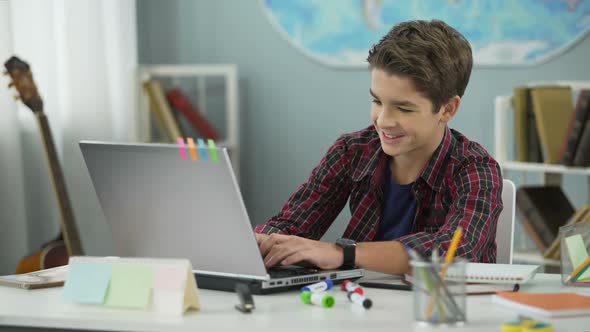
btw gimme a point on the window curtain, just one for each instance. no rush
(83, 55)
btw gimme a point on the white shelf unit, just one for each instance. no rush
(551, 174)
(201, 72)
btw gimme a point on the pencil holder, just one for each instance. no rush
(575, 264)
(439, 291)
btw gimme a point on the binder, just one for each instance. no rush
(553, 108)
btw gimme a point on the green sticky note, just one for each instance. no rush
(212, 149)
(87, 282)
(131, 286)
(578, 253)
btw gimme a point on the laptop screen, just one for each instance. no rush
(161, 203)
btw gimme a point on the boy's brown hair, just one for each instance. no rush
(434, 55)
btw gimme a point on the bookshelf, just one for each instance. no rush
(550, 174)
(199, 72)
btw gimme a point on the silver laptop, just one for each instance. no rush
(161, 202)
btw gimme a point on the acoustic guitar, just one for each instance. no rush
(56, 252)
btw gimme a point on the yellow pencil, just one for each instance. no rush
(580, 270)
(454, 244)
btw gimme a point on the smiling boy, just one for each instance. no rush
(410, 180)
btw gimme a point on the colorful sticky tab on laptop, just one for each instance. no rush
(202, 148)
(191, 147)
(159, 285)
(181, 148)
(212, 149)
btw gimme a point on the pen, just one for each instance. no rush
(369, 284)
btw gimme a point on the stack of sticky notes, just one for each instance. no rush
(579, 258)
(159, 285)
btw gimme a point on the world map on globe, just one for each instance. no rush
(501, 32)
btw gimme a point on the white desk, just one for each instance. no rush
(392, 310)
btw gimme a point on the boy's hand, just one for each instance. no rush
(278, 249)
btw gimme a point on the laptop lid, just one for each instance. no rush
(159, 204)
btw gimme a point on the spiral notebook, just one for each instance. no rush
(53, 277)
(495, 273)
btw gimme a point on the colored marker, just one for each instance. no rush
(349, 286)
(357, 298)
(319, 286)
(325, 300)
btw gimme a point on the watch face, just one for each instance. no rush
(346, 242)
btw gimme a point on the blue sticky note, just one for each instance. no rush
(202, 148)
(87, 282)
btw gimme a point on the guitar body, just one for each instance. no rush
(51, 255)
(58, 251)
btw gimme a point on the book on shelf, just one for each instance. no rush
(528, 145)
(182, 103)
(553, 108)
(576, 127)
(543, 209)
(161, 109)
(582, 155)
(53, 277)
(521, 106)
(581, 215)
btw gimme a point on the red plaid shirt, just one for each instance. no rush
(460, 186)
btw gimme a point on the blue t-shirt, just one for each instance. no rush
(399, 208)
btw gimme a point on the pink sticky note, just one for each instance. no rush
(170, 278)
(181, 148)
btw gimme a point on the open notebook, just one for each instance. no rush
(495, 273)
(481, 278)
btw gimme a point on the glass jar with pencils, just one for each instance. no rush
(439, 291)
(575, 263)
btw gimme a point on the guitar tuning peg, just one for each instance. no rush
(17, 98)
(10, 85)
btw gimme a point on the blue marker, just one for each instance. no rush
(318, 286)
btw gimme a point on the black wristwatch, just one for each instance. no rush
(349, 249)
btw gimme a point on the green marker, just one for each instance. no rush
(325, 300)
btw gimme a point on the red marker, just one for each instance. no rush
(349, 286)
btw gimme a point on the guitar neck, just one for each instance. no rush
(68, 224)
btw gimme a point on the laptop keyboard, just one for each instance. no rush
(290, 271)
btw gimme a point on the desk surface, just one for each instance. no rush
(44, 308)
